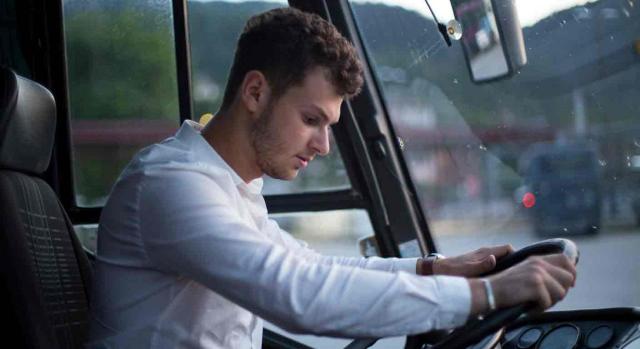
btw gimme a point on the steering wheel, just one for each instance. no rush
(477, 329)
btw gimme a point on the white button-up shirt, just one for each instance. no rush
(188, 258)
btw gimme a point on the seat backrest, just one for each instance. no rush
(45, 272)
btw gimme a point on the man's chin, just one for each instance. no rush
(291, 176)
(288, 176)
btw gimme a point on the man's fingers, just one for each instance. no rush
(501, 250)
(563, 276)
(482, 266)
(562, 261)
(542, 296)
(549, 291)
(506, 250)
(553, 280)
(544, 280)
(557, 266)
(489, 262)
(555, 290)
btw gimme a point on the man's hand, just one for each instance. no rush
(543, 280)
(471, 264)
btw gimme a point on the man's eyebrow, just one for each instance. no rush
(321, 112)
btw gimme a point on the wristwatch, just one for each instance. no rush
(428, 261)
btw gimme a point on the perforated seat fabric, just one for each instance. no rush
(47, 289)
(45, 273)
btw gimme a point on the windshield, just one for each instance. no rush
(568, 164)
(551, 151)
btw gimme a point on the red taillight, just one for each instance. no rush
(528, 200)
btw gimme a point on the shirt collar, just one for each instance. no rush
(189, 133)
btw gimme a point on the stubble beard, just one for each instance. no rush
(267, 146)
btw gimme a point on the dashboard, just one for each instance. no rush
(591, 329)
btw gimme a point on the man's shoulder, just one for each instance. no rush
(171, 163)
(171, 156)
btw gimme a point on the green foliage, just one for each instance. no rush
(121, 65)
(99, 167)
(214, 29)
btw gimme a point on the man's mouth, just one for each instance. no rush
(304, 161)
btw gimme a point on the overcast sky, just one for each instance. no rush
(529, 11)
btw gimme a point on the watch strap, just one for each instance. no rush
(428, 262)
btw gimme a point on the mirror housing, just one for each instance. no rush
(492, 38)
(368, 246)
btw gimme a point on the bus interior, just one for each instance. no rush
(434, 155)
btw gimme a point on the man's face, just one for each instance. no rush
(295, 128)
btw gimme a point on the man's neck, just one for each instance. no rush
(231, 139)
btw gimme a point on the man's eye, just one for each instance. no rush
(309, 120)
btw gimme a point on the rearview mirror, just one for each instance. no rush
(492, 38)
(368, 246)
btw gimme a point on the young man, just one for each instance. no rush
(187, 256)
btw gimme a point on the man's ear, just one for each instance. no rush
(254, 91)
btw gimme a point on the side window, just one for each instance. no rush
(329, 232)
(122, 86)
(214, 28)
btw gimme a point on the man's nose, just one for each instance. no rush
(320, 142)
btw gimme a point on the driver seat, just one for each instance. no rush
(45, 273)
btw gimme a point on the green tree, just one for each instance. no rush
(121, 65)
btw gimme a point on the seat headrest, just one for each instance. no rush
(27, 123)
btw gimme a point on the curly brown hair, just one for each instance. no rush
(285, 44)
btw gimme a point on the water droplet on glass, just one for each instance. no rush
(636, 142)
(482, 147)
(401, 143)
(454, 29)
(594, 227)
(565, 229)
(455, 81)
(602, 163)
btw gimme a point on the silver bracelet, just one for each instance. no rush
(490, 298)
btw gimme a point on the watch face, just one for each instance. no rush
(436, 256)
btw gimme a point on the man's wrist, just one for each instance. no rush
(426, 264)
(479, 303)
(491, 301)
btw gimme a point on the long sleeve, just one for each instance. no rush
(189, 227)
(373, 263)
